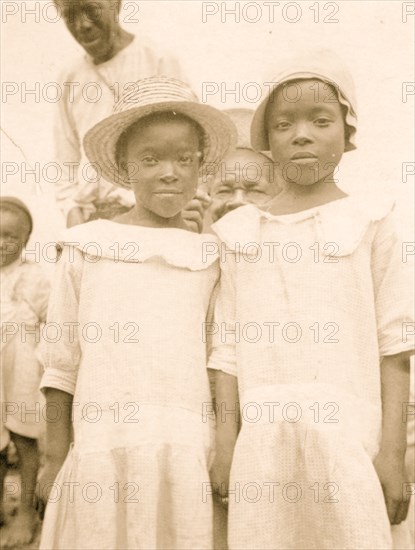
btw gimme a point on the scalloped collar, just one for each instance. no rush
(343, 221)
(137, 244)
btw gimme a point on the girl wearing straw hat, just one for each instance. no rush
(322, 375)
(136, 475)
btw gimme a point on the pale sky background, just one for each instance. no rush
(370, 36)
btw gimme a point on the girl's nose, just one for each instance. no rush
(303, 134)
(168, 173)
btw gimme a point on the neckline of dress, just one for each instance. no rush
(104, 229)
(302, 213)
(146, 227)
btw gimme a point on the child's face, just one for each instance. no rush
(162, 162)
(306, 135)
(243, 177)
(14, 233)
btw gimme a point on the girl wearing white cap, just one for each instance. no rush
(313, 299)
(136, 475)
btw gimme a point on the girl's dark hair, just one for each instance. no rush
(161, 116)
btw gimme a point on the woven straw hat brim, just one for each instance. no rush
(101, 140)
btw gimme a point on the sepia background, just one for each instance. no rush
(227, 51)
(375, 39)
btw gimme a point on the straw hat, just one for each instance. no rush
(154, 95)
(322, 65)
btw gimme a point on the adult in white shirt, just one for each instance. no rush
(114, 60)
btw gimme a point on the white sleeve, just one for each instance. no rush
(393, 287)
(61, 358)
(223, 355)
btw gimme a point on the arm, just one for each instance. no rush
(390, 461)
(61, 361)
(223, 360)
(227, 428)
(58, 431)
(392, 283)
(58, 439)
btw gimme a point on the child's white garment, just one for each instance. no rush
(24, 300)
(137, 474)
(315, 298)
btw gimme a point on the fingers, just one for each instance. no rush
(194, 207)
(194, 225)
(223, 494)
(397, 509)
(225, 502)
(203, 197)
(401, 512)
(193, 220)
(220, 492)
(391, 508)
(40, 506)
(194, 211)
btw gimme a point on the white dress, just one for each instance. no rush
(24, 297)
(136, 476)
(314, 299)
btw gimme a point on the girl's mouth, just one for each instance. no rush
(304, 155)
(168, 192)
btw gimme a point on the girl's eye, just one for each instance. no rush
(149, 161)
(255, 192)
(282, 125)
(322, 121)
(186, 160)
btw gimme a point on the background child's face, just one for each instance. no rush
(306, 131)
(243, 177)
(14, 233)
(162, 161)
